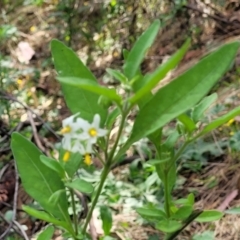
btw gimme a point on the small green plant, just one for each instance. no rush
(87, 132)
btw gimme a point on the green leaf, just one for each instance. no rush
(152, 213)
(81, 186)
(147, 83)
(106, 216)
(157, 161)
(56, 196)
(191, 199)
(46, 217)
(38, 180)
(233, 211)
(117, 75)
(209, 216)
(199, 110)
(169, 176)
(91, 87)
(137, 53)
(168, 226)
(206, 235)
(72, 165)
(187, 122)
(54, 165)
(67, 63)
(46, 234)
(182, 93)
(112, 117)
(171, 140)
(219, 121)
(182, 213)
(125, 54)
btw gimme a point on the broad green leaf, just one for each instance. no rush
(182, 213)
(182, 93)
(117, 75)
(38, 180)
(209, 216)
(220, 121)
(80, 185)
(106, 216)
(187, 122)
(147, 83)
(137, 53)
(199, 110)
(233, 211)
(67, 63)
(152, 213)
(46, 234)
(91, 86)
(168, 226)
(54, 165)
(47, 218)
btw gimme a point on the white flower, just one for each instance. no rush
(83, 147)
(92, 131)
(74, 146)
(79, 136)
(72, 127)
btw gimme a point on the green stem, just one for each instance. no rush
(178, 154)
(103, 178)
(106, 169)
(111, 155)
(186, 222)
(166, 195)
(74, 212)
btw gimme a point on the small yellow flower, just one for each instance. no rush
(66, 156)
(19, 81)
(33, 29)
(87, 159)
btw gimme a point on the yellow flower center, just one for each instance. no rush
(92, 132)
(66, 156)
(87, 159)
(65, 130)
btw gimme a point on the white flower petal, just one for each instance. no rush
(96, 121)
(101, 132)
(69, 120)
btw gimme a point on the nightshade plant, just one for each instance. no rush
(96, 108)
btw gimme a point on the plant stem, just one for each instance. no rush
(178, 154)
(74, 212)
(103, 178)
(111, 155)
(106, 169)
(166, 194)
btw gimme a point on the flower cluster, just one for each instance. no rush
(79, 136)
